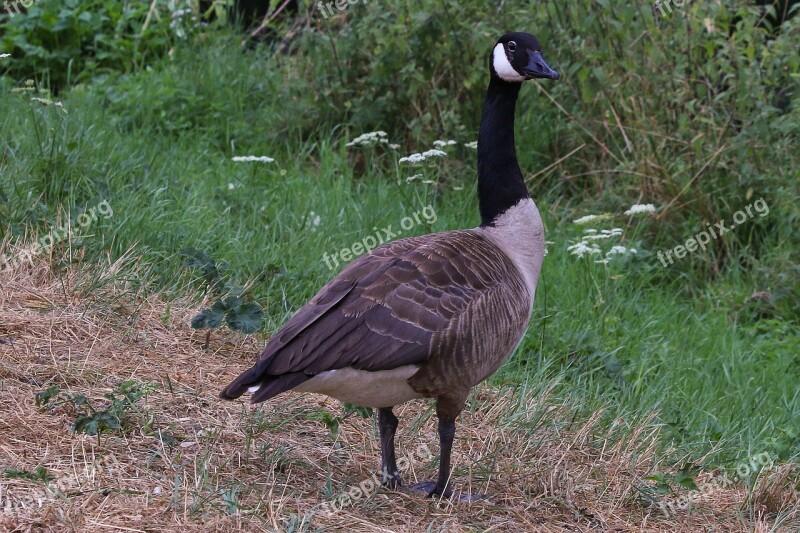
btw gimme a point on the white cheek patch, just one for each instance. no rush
(503, 67)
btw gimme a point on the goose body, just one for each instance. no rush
(428, 316)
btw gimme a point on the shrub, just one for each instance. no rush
(64, 42)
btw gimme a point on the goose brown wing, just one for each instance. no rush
(381, 312)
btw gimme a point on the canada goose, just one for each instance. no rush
(430, 316)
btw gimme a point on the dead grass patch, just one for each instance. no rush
(221, 466)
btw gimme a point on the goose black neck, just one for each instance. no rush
(500, 182)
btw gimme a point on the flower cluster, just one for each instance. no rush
(370, 139)
(314, 220)
(582, 248)
(420, 178)
(3, 56)
(640, 208)
(29, 87)
(590, 218)
(247, 158)
(178, 17)
(472, 144)
(47, 101)
(419, 158)
(589, 243)
(587, 246)
(181, 12)
(620, 250)
(442, 144)
(593, 235)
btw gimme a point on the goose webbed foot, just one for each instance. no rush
(429, 489)
(391, 481)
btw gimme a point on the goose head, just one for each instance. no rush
(518, 57)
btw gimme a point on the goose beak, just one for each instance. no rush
(538, 67)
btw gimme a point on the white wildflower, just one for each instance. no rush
(442, 144)
(584, 248)
(546, 243)
(640, 208)
(181, 12)
(605, 234)
(589, 218)
(472, 144)
(28, 87)
(231, 186)
(247, 158)
(458, 187)
(590, 230)
(620, 250)
(369, 139)
(617, 250)
(585, 219)
(602, 261)
(314, 219)
(419, 158)
(414, 177)
(394, 146)
(3, 56)
(428, 182)
(48, 102)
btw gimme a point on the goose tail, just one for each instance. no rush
(261, 385)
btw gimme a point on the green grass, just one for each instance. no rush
(157, 145)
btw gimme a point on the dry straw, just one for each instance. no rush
(271, 468)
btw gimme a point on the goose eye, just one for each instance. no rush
(512, 46)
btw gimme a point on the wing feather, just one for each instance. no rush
(387, 309)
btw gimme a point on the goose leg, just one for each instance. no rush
(387, 425)
(447, 410)
(447, 432)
